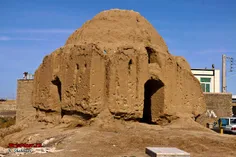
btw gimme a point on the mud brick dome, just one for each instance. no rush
(116, 62)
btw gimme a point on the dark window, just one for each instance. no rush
(151, 55)
(205, 79)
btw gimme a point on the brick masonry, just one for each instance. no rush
(24, 106)
(220, 103)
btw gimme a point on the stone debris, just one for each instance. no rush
(166, 152)
(3, 151)
(48, 141)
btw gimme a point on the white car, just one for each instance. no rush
(228, 124)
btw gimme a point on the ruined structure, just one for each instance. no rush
(24, 100)
(116, 61)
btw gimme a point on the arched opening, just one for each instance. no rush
(153, 100)
(57, 82)
(77, 66)
(152, 58)
(130, 64)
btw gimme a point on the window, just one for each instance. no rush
(224, 122)
(205, 79)
(205, 84)
(152, 58)
(233, 121)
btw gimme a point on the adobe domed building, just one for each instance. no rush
(116, 61)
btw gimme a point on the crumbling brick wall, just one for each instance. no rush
(220, 103)
(24, 106)
(116, 62)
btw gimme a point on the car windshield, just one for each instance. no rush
(233, 121)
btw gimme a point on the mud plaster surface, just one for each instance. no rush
(116, 61)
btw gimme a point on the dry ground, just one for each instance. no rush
(116, 138)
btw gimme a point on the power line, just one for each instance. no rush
(230, 68)
(232, 64)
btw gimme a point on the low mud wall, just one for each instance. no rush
(218, 104)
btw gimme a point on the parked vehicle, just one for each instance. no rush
(228, 124)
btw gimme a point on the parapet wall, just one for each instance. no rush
(24, 99)
(219, 103)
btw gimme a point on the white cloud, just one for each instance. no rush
(5, 38)
(55, 30)
(214, 51)
(203, 52)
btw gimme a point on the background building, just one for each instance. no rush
(234, 104)
(218, 104)
(209, 79)
(234, 99)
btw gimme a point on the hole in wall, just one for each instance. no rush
(152, 58)
(130, 64)
(153, 100)
(57, 83)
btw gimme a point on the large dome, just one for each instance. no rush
(115, 65)
(117, 27)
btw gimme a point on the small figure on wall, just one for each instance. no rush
(25, 75)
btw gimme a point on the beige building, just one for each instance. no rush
(209, 79)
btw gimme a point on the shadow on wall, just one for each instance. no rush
(153, 99)
(152, 58)
(57, 83)
(234, 110)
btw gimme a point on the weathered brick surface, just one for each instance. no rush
(24, 100)
(116, 61)
(220, 103)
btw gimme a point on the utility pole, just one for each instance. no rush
(224, 73)
(232, 63)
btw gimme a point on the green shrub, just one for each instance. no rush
(5, 122)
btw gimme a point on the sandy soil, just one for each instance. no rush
(118, 139)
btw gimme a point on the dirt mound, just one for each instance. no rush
(122, 138)
(117, 27)
(116, 61)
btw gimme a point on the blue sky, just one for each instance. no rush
(199, 30)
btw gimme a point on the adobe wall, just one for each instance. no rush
(8, 108)
(71, 84)
(24, 100)
(220, 103)
(117, 62)
(8, 105)
(128, 72)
